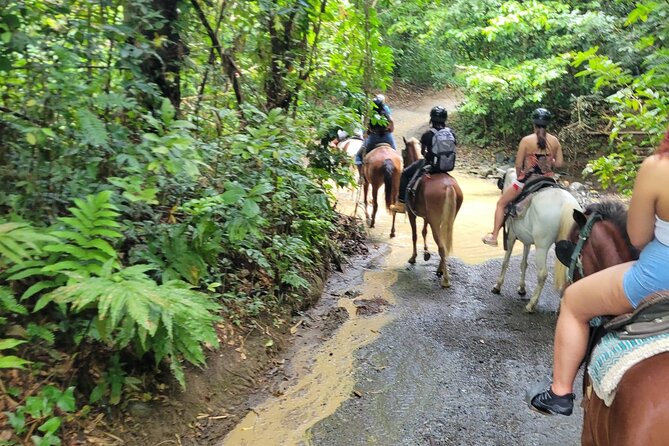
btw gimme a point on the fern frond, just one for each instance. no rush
(170, 320)
(92, 129)
(20, 241)
(8, 303)
(43, 332)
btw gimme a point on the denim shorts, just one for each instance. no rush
(649, 274)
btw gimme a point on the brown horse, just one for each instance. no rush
(382, 165)
(437, 200)
(639, 414)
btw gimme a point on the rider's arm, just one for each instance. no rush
(391, 124)
(520, 159)
(558, 159)
(641, 214)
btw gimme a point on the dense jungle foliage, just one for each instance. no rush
(165, 168)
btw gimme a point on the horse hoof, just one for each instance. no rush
(521, 291)
(392, 235)
(528, 309)
(426, 256)
(445, 285)
(496, 290)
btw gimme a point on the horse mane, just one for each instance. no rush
(615, 212)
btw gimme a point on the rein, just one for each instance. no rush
(583, 235)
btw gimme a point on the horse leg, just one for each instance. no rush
(414, 236)
(375, 203)
(542, 273)
(365, 188)
(426, 253)
(523, 269)
(392, 228)
(505, 264)
(442, 269)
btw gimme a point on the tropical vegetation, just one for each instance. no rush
(165, 166)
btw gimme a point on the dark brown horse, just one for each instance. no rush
(382, 165)
(437, 200)
(639, 414)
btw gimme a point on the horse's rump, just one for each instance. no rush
(432, 190)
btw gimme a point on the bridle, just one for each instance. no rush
(583, 235)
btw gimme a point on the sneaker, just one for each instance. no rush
(398, 207)
(488, 240)
(546, 402)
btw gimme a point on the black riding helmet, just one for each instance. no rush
(541, 117)
(438, 114)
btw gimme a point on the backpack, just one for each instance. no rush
(443, 149)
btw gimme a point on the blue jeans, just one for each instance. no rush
(372, 141)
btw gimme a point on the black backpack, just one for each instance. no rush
(443, 149)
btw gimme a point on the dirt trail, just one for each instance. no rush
(385, 357)
(435, 366)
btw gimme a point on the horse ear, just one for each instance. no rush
(563, 251)
(580, 218)
(405, 140)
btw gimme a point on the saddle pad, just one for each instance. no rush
(612, 357)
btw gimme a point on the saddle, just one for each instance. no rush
(532, 186)
(650, 317)
(616, 344)
(381, 144)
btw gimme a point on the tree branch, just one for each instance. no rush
(228, 63)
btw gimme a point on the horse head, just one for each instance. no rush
(411, 151)
(598, 239)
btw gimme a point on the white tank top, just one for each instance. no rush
(662, 230)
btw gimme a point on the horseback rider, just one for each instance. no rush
(538, 153)
(379, 131)
(411, 174)
(615, 290)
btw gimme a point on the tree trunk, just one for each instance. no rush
(163, 68)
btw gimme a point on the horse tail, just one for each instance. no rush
(448, 217)
(566, 223)
(388, 171)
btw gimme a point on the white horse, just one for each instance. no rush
(351, 147)
(547, 218)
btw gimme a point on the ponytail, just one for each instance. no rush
(540, 131)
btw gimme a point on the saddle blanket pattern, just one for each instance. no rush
(612, 357)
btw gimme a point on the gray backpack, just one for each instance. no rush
(443, 148)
